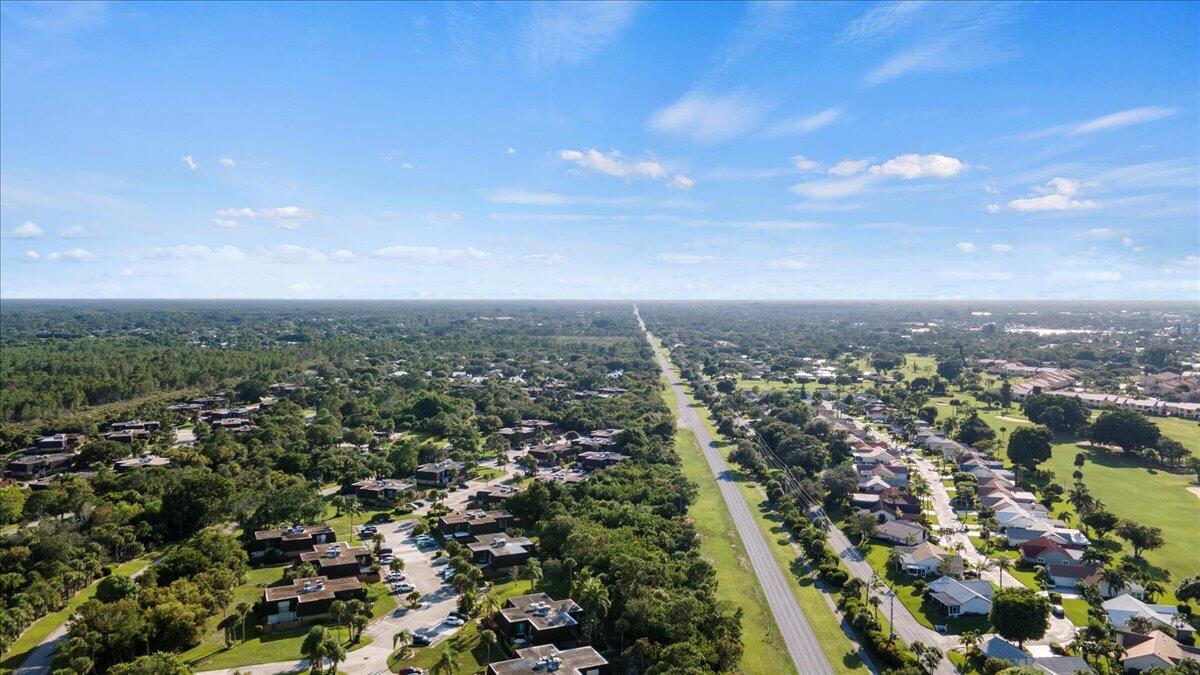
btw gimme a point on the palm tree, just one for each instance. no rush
(335, 652)
(533, 572)
(1002, 564)
(488, 638)
(593, 598)
(488, 606)
(448, 662)
(894, 560)
(315, 647)
(1116, 578)
(1153, 589)
(874, 602)
(401, 641)
(242, 611)
(969, 640)
(353, 508)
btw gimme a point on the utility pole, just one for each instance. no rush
(891, 613)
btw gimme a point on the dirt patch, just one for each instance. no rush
(1013, 419)
(1195, 491)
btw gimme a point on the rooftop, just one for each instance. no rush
(540, 610)
(311, 589)
(549, 658)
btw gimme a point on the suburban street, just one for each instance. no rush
(802, 645)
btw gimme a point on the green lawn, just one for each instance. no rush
(926, 612)
(737, 584)
(211, 653)
(473, 654)
(41, 629)
(1027, 577)
(1123, 486)
(1077, 610)
(346, 528)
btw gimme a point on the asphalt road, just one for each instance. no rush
(797, 634)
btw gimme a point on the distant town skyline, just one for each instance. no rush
(771, 151)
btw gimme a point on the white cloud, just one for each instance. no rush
(511, 150)
(570, 32)
(408, 166)
(683, 258)
(848, 167)
(805, 125)
(612, 164)
(1128, 243)
(833, 189)
(993, 208)
(431, 255)
(920, 166)
(1096, 233)
(72, 232)
(199, 252)
(1056, 195)
(342, 256)
(881, 20)
(304, 287)
(549, 258)
(975, 275)
(1100, 276)
(803, 163)
(285, 212)
(31, 256)
(956, 38)
(27, 230)
(795, 262)
(681, 182)
(287, 224)
(236, 213)
(509, 195)
(292, 254)
(189, 162)
(75, 255)
(1110, 122)
(452, 217)
(285, 217)
(708, 118)
(228, 161)
(226, 223)
(965, 247)
(1002, 248)
(1190, 261)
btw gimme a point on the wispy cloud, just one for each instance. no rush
(684, 258)
(788, 263)
(613, 163)
(1110, 122)
(189, 162)
(945, 37)
(569, 32)
(285, 217)
(1057, 195)
(292, 254)
(797, 126)
(524, 197)
(194, 252)
(431, 255)
(708, 118)
(907, 167)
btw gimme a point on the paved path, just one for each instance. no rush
(797, 634)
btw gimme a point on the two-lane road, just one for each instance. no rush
(797, 634)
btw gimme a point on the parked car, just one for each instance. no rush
(1058, 611)
(368, 529)
(395, 576)
(403, 587)
(421, 640)
(412, 670)
(463, 485)
(384, 550)
(442, 560)
(453, 621)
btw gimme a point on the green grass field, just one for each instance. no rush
(1077, 610)
(737, 584)
(41, 629)
(1146, 495)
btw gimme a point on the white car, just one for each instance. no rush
(395, 576)
(403, 587)
(386, 558)
(453, 621)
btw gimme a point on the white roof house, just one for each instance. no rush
(962, 597)
(1124, 607)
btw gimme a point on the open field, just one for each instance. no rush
(736, 581)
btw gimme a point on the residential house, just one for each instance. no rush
(141, 462)
(38, 466)
(338, 559)
(1124, 607)
(494, 495)
(384, 491)
(60, 442)
(136, 425)
(1153, 650)
(553, 454)
(996, 647)
(900, 532)
(971, 596)
(874, 486)
(497, 553)
(1046, 551)
(1063, 665)
(473, 522)
(537, 619)
(865, 501)
(927, 559)
(290, 541)
(592, 461)
(1068, 577)
(438, 474)
(306, 600)
(548, 658)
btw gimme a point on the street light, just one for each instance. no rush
(891, 613)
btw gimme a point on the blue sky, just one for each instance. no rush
(710, 150)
